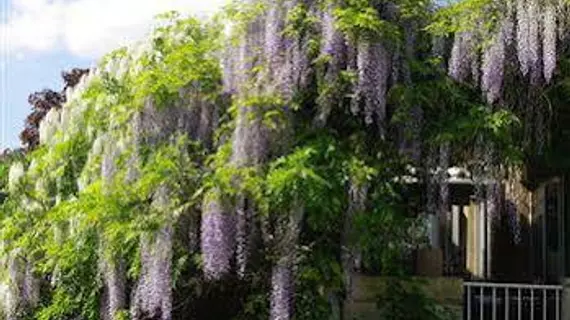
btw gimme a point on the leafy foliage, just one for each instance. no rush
(88, 196)
(361, 19)
(480, 16)
(457, 114)
(405, 299)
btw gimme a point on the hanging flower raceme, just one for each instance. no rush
(114, 291)
(281, 293)
(250, 148)
(265, 47)
(14, 301)
(153, 294)
(15, 176)
(493, 67)
(274, 42)
(373, 62)
(282, 274)
(523, 35)
(49, 126)
(217, 238)
(92, 170)
(112, 268)
(229, 81)
(461, 56)
(549, 41)
(23, 288)
(534, 57)
(296, 69)
(476, 73)
(334, 51)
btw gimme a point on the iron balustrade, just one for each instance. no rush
(506, 301)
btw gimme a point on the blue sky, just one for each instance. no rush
(41, 38)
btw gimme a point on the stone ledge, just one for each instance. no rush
(448, 291)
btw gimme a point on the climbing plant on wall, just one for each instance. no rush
(255, 167)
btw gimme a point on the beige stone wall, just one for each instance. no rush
(530, 206)
(517, 193)
(513, 260)
(473, 240)
(446, 291)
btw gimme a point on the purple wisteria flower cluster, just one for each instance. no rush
(334, 48)
(493, 68)
(462, 55)
(549, 41)
(153, 293)
(282, 289)
(535, 25)
(217, 239)
(373, 62)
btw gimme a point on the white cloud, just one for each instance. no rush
(86, 28)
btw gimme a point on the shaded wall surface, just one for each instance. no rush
(523, 241)
(446, 291)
